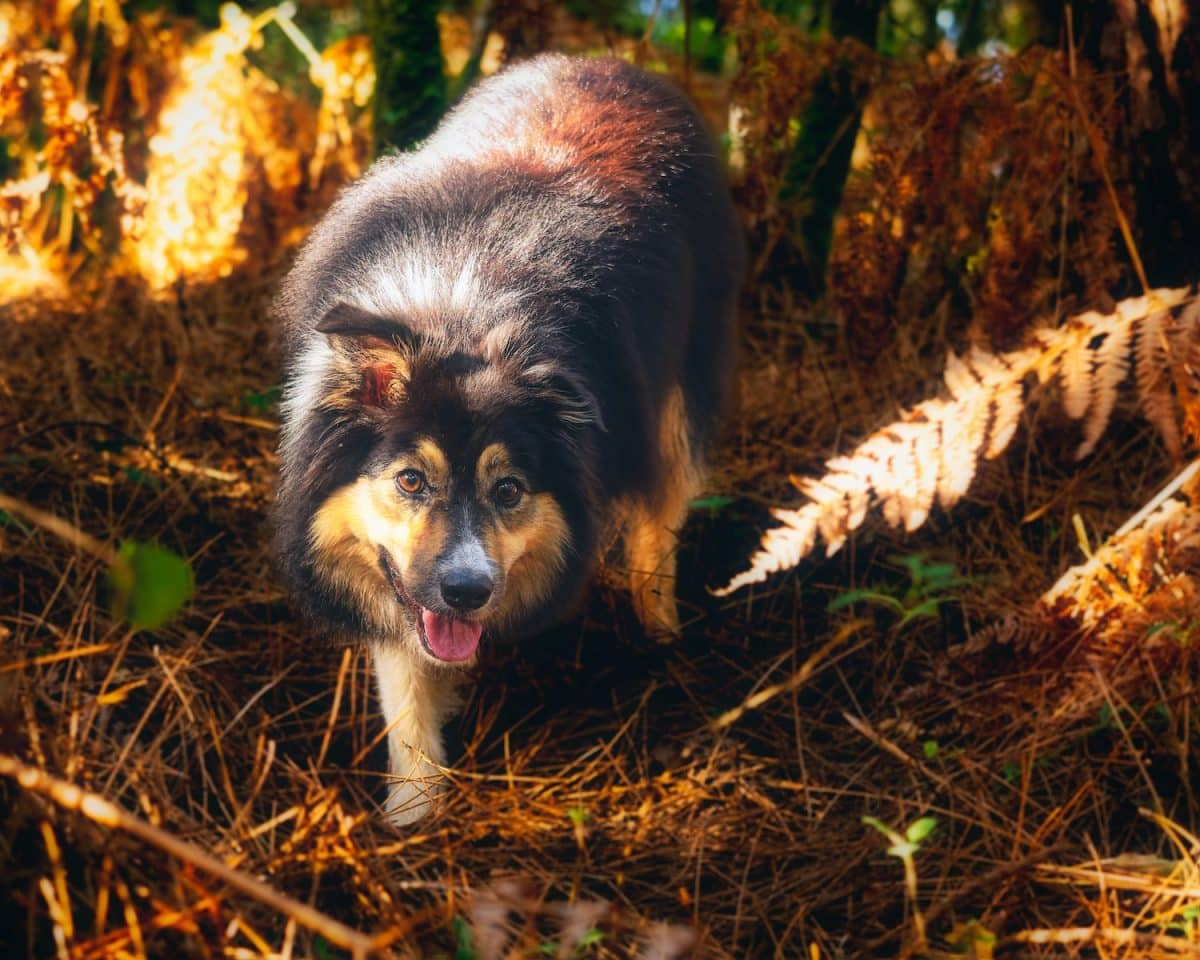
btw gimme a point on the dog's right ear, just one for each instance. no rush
(381, 350)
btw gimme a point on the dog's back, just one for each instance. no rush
(578, 196)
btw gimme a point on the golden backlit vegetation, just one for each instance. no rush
(211, 125)
(970, 341)
(931, 454)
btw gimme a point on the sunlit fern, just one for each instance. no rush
(932, 452)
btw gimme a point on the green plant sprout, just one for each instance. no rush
(905, 847)
(149, 584)
(927, 590)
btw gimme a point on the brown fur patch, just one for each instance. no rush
(355, 521)
(494, 463)
(531, 548)
(652, 528)
(368, 372)
(621, 137)
(431, 460)
(528, 542)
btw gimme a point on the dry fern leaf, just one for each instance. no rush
(1154, 379)
(1112, 366)
(1187, 367)
(1075, 367)
(933, 451)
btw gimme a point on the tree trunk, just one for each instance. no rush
(1157, 149)
(410, 87)
(817, 168)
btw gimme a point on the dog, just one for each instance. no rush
(497, 347)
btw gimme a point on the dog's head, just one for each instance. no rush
(466, 505)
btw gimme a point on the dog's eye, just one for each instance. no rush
(508, 492)
(411, 482)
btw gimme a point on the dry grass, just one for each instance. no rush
(592, 766)
(717, 786)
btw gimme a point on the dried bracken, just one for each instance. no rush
(933, 451)
(1141, 585)
(973, 193)
(180, 207)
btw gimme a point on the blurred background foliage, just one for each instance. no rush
(977, 161)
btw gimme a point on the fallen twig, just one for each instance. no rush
(101, 811)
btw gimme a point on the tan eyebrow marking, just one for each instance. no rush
(494, 462)
(434, 459)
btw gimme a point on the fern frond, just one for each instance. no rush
(1004, 384)
(932, 452)
(1075, 367)
(1154, 380)
(1186, 350)
(1112, 366)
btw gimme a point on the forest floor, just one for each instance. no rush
(606, 785)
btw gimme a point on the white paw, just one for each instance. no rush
(414, 798)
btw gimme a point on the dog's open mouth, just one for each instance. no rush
(446, 638)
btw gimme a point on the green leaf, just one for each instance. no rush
(578, 816)
(940, 575)
(464, 949)
(918, 830)
(261, 401)
(880, 826)
(930, 749)
(590, 939)
(714, 504)
(926, 608)
(149, 584)
(864, 595)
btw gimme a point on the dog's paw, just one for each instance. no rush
(413, 799)
(654, 605)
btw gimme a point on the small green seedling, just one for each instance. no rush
(927, 590)
(905, 847)
(908, 844)
(579, 818)
(713, 504)
(149, 584)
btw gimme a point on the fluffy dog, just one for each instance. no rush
(496, 347)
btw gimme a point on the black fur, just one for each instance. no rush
(602, 283)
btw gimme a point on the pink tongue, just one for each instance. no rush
(450, 639)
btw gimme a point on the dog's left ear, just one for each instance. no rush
(577, 405)
(382, 350)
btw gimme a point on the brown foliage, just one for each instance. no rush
(932, 452)
(975, 190)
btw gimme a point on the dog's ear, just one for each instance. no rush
(370, 329)
(381, 350)
(576, 405)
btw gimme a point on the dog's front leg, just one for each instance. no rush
(417, 699)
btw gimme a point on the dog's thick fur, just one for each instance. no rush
(496, 346)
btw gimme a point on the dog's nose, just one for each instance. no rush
(466, 590)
